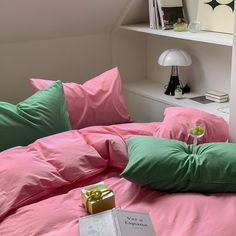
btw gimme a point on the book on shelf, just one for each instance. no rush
(157, 15)
(217, 96)
(153, 14)
(219, 100)
(160, 12)
(116, 222)
(165, 13)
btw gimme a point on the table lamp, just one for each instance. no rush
(174, 58)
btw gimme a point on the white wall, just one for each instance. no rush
(67, 59)
(129, 51)
(57, 39)
(28, 20)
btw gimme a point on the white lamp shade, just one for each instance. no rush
(175, 57)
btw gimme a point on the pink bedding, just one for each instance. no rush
(40, 187)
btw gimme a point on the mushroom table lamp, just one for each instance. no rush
(174, 58)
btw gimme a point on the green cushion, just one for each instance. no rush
(169, 165)
(42, 114)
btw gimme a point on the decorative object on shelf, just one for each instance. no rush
(196, 132)
(174, 58)
(194, 26)
(180, 25)
(170, 11)
(186, 89)
(216, 15)
(178, 92)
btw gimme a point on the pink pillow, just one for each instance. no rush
(98, 101)
(178, 120)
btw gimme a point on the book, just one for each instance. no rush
(170, 11)
(153, 14)
(116, 222)
(201, 99)
(152, 22)
(217, 96)
(217, 99)
(216, 93)
(160, 13)
(156, 14)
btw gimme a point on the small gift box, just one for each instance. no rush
(97, 197)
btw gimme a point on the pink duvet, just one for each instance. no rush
(40, 187)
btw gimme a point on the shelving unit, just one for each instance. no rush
(155, 91)
(210, 70)
(202, 36)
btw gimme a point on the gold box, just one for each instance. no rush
(97, 197)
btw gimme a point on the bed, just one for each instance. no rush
(41, 181)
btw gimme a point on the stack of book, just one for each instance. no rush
(165, 13)
(217, 96)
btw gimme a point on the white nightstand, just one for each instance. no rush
(146, 101)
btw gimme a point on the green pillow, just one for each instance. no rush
(169, 165)
(42, 114)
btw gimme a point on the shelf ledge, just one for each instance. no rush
(202, 36)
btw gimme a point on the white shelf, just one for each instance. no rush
(202, 36)
(155, 91)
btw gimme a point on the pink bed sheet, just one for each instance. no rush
(40, 187)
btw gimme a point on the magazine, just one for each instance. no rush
(116, 222)
(170, 11)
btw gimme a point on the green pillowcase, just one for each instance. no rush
(42, 114)
(169, 165)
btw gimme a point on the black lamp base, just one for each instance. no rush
(172, 85)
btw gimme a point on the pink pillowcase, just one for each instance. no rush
(178, 120)
(98, 101)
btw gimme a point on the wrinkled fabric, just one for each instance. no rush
(40, 187)
(99, 101)
(178, 121)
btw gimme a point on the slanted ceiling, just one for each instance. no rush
(26, 20)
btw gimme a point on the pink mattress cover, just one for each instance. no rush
(57, 211)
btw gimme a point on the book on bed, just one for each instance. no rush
(116, 222)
